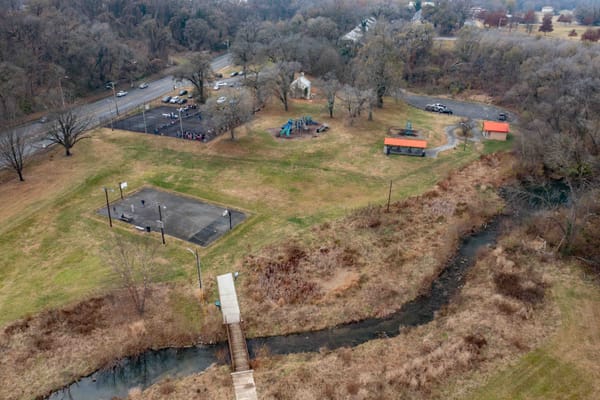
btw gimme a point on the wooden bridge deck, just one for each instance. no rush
(237, 348)
(243, 376)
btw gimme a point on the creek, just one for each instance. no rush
(154, 365)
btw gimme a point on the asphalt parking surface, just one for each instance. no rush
(183, 217)
(459, 108)
(165, 121)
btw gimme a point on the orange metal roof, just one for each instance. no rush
(417, 143)
(492, 126)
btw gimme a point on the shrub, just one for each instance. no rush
(511, 285)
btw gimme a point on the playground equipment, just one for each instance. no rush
(287, 128)
(408, 131)
(298, 125)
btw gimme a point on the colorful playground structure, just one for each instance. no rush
(297, 126)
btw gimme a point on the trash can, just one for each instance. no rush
(148, 229)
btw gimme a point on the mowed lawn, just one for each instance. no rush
(566, 366)
(55, 248)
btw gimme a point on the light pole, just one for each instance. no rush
(122, 185)
(62, 94)
(226, 213)
(144, 116)
(161, 224)
(112, 84)
(195, 253)
(180, 122)
(108, 207)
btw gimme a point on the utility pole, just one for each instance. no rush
(108, 207)
(180, 122)
(195, 253)
(226, 213)
(112, 84)
(144, 116)
(389, 197)
(162, 225)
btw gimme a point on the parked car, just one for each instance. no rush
(218, 85)
(174, 100)
(181, 100)
(234, 73)
(166, 99)
(502, 117)
(444, 110)
(183, 92)
(221, 100)
(121, 93)
(438, 107)
(432, 107)
(219, 75)
(143, 85)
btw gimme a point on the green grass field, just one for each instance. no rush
(54, 246)
(565, 367)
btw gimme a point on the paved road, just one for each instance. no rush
(460, 108)
(101, 111)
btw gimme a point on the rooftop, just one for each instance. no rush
(492, 126)
(415, 143)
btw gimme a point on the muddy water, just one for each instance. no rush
(153, 366)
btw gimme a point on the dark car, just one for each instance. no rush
(444, 110)
(166, 99)
(181, 101)
(502, 117)
(183, 92)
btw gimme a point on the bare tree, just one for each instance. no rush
(231, 110)
(68, 128)
(198, 71)
(260, 86)
(283, 74)
(245, 48)
(12, 151)
(466, 130)
(135, 266)
(330, 88)
(378, 65)
(354, 100)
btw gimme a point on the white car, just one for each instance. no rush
(121, 93)
(174, 99)
(221, 100)
(144, 85)
(219, 84)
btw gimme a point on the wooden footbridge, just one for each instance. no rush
(242, 375)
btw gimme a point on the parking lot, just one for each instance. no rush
(182, 217)
(167, 120)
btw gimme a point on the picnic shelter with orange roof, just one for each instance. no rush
(495, 130)
(412, 147)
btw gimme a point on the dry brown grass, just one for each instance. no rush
(52, 349)
(368, 263)
(469, 336)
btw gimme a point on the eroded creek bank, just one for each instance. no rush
(153, 366)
